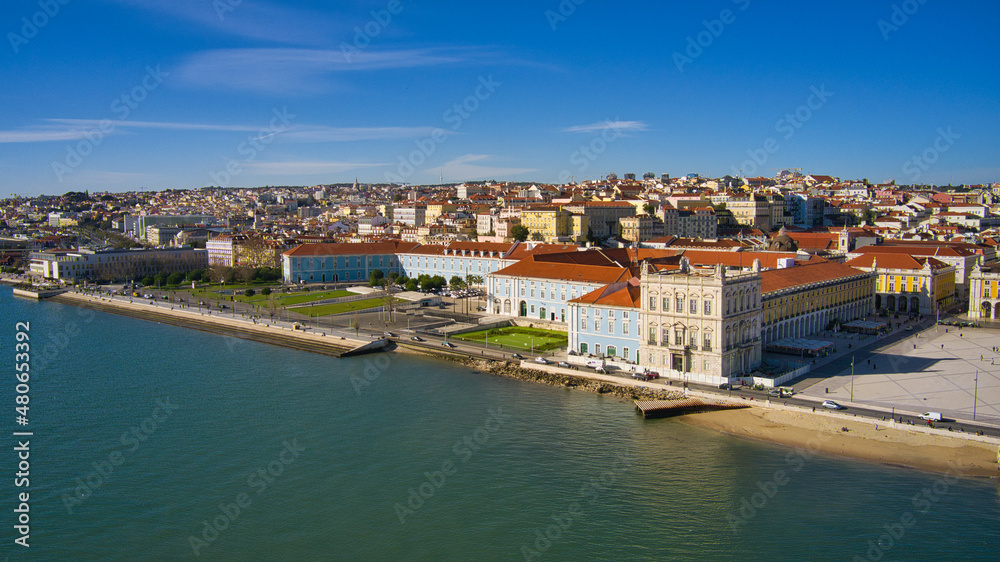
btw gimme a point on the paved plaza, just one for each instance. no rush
(935, 369)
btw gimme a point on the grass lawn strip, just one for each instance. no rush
(519, 338)
(342, 307)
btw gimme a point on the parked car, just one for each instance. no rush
(564, 364)
(147, 296)
(931, 416)
(447, 344)
(389, 334)
(417, 338)
(517, 356)
(832, 405)
(541, 360)
(652, 374)
(726, 386)
(641, 376)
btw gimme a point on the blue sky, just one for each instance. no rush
(122, 94)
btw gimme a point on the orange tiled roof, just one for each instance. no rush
(392, 247)
(624, 294)
(780, 279)
(542, 269)
(895, 261)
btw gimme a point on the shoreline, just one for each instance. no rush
(881, 443)
(820, 432)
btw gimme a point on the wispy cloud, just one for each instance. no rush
(55, 130)
(320, 133)
(288, 71)
(605, 125)
(258, 20)
(307, 168)
(464, 168)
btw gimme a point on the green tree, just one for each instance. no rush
(195, 275)
(411, 285)
(456, 282)
(148, 281)
(520, 233)
(175, 278)
(266, 291)
(249, 293)
(376, 277)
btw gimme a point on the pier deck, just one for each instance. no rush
(666, 408)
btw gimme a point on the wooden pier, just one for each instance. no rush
(666, 408)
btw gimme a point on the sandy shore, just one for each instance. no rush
(862, 440)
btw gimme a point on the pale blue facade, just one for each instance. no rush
(447, 266)
(336, 268)
(527, 297)
(604, 331)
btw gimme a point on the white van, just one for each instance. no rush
(931, 416)
(595, 364)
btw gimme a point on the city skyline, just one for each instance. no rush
(116, 95)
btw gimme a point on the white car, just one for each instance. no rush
(832, 405)
(541, 360)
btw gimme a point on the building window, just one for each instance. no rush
(625, 328)
(532, 309)
(532, 292)
(708, 365)
(612, 351)
(987, 293)
(597, 349)
(707, 342)
(694, 306)
(666, 304)
(597, 324)
(678, 337)
(583, 349)
(694, 340)
(680, 304)
(708, 308)
(611, 327)
(625, 353)
(652, 303)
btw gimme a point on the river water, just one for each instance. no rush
(153, 442)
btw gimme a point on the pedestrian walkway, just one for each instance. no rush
(940, 369)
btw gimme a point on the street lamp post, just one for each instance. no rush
(852, 378)
(975, 396)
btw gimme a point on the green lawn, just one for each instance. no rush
(299, 298)
(519, 338)
(280, 298)
(340, 308)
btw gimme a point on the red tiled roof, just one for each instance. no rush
(895, 261)
(393, 247)
(779, 279)
(625, 294)
(914, 250)
(532, 266)
(737, 259)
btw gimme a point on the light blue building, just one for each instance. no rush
(605, 322)
(340, 263)
(540, 285)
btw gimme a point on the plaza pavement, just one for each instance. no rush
(934, 369)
